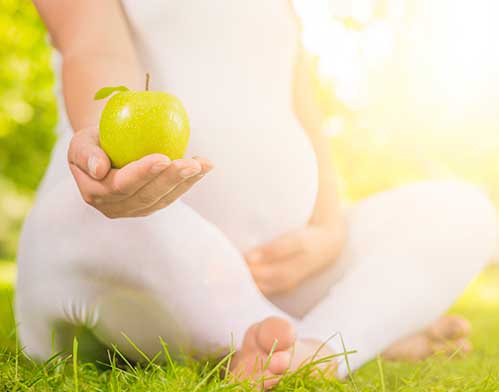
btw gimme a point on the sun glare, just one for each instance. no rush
(440, 58)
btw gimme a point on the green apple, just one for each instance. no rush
(134, 124)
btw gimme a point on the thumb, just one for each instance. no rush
(85, 153)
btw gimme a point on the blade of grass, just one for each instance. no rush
(225, 359)
(232, 350)
(130, 366)
(136, 348)
(75, 363)
(350, 373)
(269, 357)
(168, 356)
(381, 374)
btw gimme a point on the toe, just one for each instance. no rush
(265, 354)
(463, 346)
(411, 349)
(461, 326)
(269, 379)
(275, 331)
(457, 347)
(279, 362)
(249, 342)
(449, 327)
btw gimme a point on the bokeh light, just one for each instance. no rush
(407, 83)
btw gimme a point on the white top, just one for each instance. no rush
(231, 63)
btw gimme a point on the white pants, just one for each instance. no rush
(410, 252)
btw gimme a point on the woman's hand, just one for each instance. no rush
(138, 189)
(282, 264)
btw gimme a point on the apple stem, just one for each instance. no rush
(147, 81)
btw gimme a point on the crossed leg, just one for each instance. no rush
(411, 252)
(175, 276)
(172, 276)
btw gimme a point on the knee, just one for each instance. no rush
(453, 217)
(435, 234)
(469, 206)
(465, 214)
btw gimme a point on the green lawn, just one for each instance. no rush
(477, 372)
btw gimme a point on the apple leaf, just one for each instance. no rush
(107, 91)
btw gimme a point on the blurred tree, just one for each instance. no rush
(27, 106)
(27, 114)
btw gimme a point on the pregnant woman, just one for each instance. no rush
(248, 244)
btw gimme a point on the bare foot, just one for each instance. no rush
(269, 349)
(447, 335)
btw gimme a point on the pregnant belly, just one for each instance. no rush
(264, 182)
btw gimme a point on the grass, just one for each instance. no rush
(478, 372)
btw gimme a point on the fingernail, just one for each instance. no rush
(92, 165)
(159, 167)
(254, 257)
(189, 172)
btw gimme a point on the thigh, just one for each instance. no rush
(429, 220)
(173, 275)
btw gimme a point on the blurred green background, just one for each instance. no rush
(371, 152)
(27, 115)
(399, 137)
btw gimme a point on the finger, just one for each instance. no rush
(121, 183)
(271, 273)
(88, 187)
(179, 171)
(176, 174)
(85, 153)
(131, 178)
(278, 278)
(164, 189)
(175, 194)
(206, 165)
(179, 190)
(270, 290)
(279, 249)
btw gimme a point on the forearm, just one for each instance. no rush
(327, 203)
(86, 72)
(97, 50)
(311, 116)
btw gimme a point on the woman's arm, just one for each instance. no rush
(93, 39)
(283, 263)
(97, 50)
(308, 110)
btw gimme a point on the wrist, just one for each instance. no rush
(330, 215)
(334, 222)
